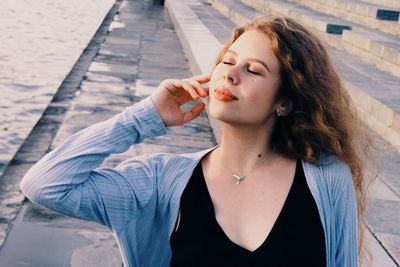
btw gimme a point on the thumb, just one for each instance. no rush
(193, 113)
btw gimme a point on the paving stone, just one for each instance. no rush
(95, 99)
(379, 190)
(106, 78)
(116, 59)
(3, 232)
(130, 69)
(103, 251)
(13, 174)
(112, 49)
(150, 62)
(77, 121)
(12, 200)
(24, 157)
(392, 242)
(387, 221)
(118, 89)
(132, 42)
(144, 88)
(154, 70)
(126, 28)
(376, 255)
(25, 244)
(7, 214)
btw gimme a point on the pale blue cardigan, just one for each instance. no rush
(139, 199)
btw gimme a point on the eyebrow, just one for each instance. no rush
(251, 59)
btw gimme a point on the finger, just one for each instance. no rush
(178, 90)
(189, 88)
(193, 113)
(200, 90)
(184, 99)
(173, 86)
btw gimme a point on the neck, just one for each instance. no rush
(240, 147)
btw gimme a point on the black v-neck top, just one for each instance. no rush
(296, 238)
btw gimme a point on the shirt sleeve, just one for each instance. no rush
(69, 181)
(346, 223)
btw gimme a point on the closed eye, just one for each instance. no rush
(253, 72)
(228, 63)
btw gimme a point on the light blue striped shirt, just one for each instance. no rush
(139, 199)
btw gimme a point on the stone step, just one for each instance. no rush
(317, 21)
(202, 46)
(370, 15)
(375, 93)
(376, 48)
(236, 11)
(220, 26)
(372, 46)
(386, 3)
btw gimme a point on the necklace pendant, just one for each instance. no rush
(238, 178)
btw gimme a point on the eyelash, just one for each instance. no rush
(252, 72)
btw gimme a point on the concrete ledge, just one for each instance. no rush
(387, 3)
(376, 115)
(358, 12)
(382, 52)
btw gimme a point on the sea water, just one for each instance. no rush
(40, 41)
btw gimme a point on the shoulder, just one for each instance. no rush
(161, 163)
(329, 174)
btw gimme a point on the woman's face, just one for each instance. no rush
(243, 87)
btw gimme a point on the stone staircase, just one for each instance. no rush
(363, 39)
(367, 58)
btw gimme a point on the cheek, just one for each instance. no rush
(262, 95)
(216, 74)
(268, 88)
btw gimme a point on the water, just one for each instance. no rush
(40, 41)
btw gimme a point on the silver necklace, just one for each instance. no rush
(239, 178)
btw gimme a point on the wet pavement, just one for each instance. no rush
(136, 49)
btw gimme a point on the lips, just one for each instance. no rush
(224, 94)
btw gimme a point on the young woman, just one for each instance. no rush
(281, 189)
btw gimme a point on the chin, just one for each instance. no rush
(233, 116)
(222, 114)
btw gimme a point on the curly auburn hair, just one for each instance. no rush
(323, 119)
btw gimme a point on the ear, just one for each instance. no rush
(284, 108)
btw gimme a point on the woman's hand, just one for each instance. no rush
(173, 93)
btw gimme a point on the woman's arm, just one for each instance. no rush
(66, 179)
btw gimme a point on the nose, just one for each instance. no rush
(231, 75)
